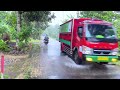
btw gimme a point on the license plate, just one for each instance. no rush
(102, 58)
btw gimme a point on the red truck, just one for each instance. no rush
(88, 39)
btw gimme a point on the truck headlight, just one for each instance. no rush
(114, 51)
(87, 50)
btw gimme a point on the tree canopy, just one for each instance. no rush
(104, 15)
(23, 25)
(36, 20)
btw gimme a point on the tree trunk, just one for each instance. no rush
(18, 25)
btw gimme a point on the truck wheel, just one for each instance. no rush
(77, 58)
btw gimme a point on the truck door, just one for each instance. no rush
(79, 39)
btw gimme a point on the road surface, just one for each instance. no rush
(55, 65)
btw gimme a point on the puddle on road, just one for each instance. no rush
(111, 66)
(53, 77)
(73, 65)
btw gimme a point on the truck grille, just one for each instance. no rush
(101, 52)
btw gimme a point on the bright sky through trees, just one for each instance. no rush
(61, 15)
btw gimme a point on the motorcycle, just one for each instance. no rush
(46, 41)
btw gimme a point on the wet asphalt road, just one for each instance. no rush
(55, 65)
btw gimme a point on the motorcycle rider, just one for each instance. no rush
(46, 38)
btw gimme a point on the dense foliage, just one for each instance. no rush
(30, 24)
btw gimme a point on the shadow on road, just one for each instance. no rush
(95, 66)
(63, 54)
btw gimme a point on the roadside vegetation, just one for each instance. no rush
(19, 29)
(23, 66)
(20, 34)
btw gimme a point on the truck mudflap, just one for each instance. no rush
(93, 58)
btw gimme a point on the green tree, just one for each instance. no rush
(6, 28)
(36, 30)
(7, 23)
(40, 19)
(117, 26)
(104, 15)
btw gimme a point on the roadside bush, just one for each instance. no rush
(3, 46)
(22, 45)
(119, 45)
(5, 76)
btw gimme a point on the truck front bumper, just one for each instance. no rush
(93, 58)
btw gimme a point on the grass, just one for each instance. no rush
(5, 76)
(27, 74)
(34, 41)
(13, 40)
(31, 40)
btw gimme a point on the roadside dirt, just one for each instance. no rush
(22, 66)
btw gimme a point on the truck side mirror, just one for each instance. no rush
(80, 32)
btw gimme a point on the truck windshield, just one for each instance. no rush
(98, 32)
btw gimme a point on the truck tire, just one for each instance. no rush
(76, 58)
